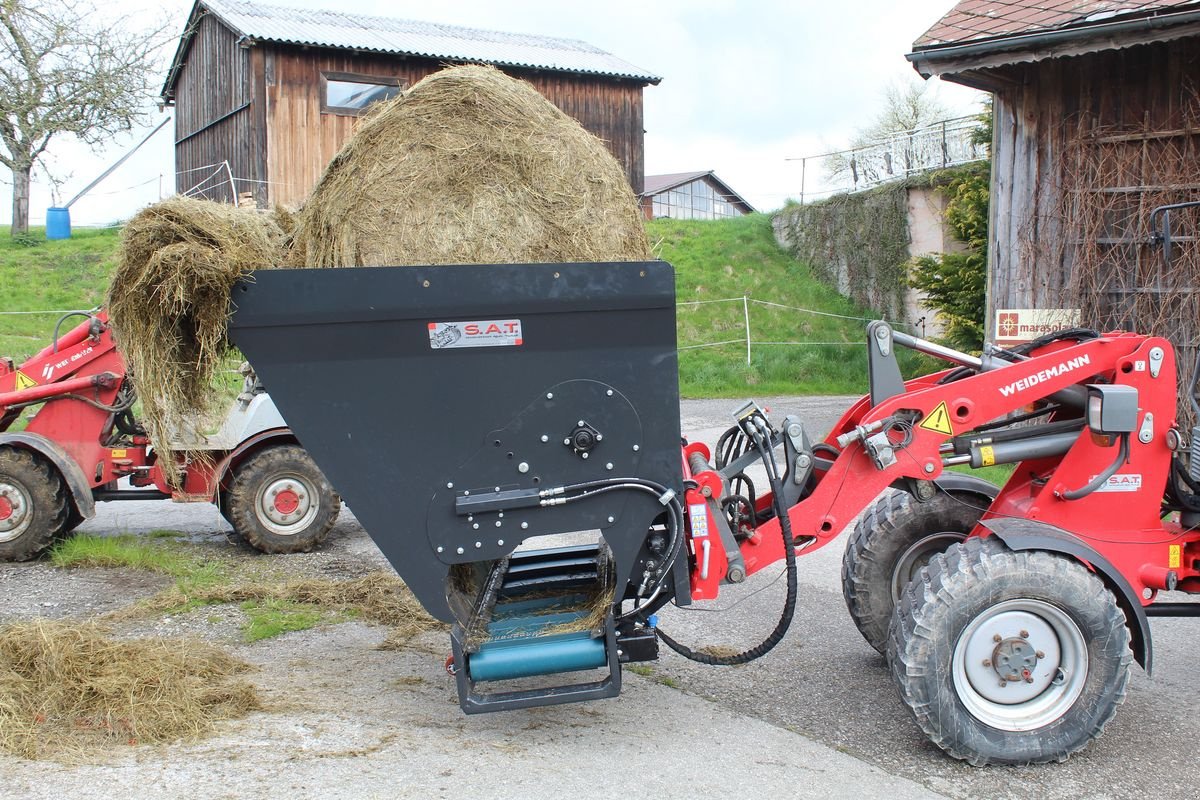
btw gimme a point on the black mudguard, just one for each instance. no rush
(1027, 534)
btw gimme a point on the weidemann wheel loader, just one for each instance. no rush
(479, 408)
(83, 440)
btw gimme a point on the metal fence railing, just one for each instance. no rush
(947, 143)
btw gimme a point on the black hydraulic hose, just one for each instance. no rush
(1098, 481)
(789, 605)
(64, 318)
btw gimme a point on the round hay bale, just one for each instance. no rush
(168, 303)
(469, 167)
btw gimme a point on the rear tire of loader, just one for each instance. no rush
(280, 502)
(1009, 657)
(892, 541)
(33, 505)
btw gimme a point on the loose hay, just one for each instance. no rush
(67, 688)
(379, 597)
(169, 305)
(470, 166)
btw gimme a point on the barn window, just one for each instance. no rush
(352, 94)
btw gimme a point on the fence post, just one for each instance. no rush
(746, 312)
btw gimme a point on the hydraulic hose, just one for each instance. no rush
(1098, 481)
(789, 605)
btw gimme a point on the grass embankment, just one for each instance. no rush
(713, 261)
(724, 259)
(41, 275)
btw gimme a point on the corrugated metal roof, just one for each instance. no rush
(431, 40)
(983, 20)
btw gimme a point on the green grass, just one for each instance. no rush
(998, 474)
(714, 260)
(721, 259)
(41, 275)
(267, 618)
(88, 550)
(160, 552)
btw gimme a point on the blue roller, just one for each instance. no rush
(518, 646)
(546, 655)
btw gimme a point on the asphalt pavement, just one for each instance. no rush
(817, 717)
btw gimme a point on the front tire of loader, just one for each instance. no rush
(892, 541)
(33, 505)
(1009, 657)
(280, 502)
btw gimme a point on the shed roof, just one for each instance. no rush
(334, 29)
(979, 34)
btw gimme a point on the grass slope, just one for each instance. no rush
(39, 275)
(721, 259)
(714, 260)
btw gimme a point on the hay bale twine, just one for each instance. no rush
(470, 166)
(168, 303)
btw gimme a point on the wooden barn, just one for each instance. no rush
(1097, 122)
(265, 96)
(691, 195)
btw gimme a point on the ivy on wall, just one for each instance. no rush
(856, 242)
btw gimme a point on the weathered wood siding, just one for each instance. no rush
(215, 119)
(1043, 111)
(301, 138)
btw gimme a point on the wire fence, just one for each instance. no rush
(747, 339)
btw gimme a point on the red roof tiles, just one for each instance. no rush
(975, 20)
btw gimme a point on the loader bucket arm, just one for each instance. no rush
(443, 402)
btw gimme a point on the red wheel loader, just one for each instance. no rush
(83, 442)
(542, 399)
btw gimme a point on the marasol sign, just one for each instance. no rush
(1020, 325)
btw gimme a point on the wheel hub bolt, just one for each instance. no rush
(1040, 654)
(987, 662)
(997, 638)
(1024, 634)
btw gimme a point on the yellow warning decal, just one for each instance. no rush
(24, 381)
(120, 453)
(1174, 559)
(987, 456)
(938, 420)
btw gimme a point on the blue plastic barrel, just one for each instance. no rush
(58, 223)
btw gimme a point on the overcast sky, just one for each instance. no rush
(746, 85)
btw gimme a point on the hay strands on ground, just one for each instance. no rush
(67, 688)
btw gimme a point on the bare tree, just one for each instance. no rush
(907, 107)
(66, 70)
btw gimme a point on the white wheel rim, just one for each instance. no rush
(1020, 665)
(286, 505)
(20, 509)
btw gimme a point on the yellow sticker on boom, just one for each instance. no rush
(987, 456)
(24, 381)
(1174, 556)
(938, 420)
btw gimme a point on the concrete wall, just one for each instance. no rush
(860, 244)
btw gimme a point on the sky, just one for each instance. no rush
(747, 86)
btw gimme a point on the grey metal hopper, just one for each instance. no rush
(446, 402)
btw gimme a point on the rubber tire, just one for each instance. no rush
(47, 495)
(893, 524)
(259, 470)
(963, 583)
